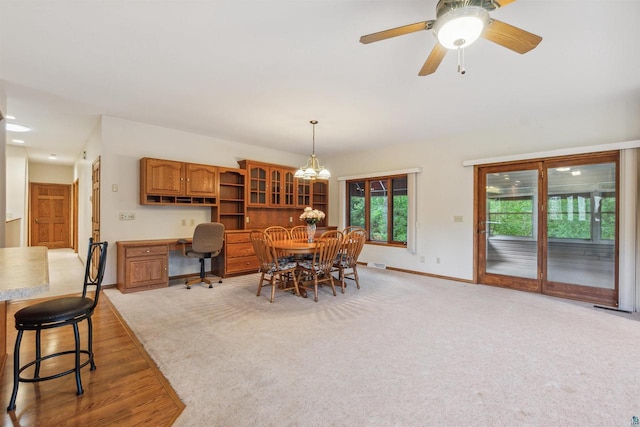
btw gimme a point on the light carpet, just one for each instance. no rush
(405, 350)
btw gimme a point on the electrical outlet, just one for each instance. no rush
(127, 216)
(438, 260)
(192, 222)
(184, 222)
(457, 218)
(422, 259)
(290, 219)
(247, 220)
(114, 188)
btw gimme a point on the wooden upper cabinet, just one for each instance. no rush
(303, 193)
(269, 185)
(168, 182)
(163, 177)
(201, 180)
(282, 187)
(258, 188)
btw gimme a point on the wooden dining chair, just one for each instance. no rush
(280, 275)
(278, 234)
(346, 263)
(318, 268)
(299, 233)
(349, 228)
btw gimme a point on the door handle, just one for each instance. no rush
(37, 220)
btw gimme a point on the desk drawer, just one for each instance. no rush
(231, 238)
(240, 250)
(146, 251)
(241, 264)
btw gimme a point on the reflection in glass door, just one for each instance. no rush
(551, 226)
(508, 233)
(581, 229)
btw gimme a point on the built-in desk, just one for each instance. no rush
(143, 264)
(24, 272)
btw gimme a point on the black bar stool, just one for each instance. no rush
(59, 312)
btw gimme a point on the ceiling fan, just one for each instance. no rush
(458, 24)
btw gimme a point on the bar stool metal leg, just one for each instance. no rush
(16, 373)
(76, 334)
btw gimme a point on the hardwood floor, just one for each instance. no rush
(126, 389)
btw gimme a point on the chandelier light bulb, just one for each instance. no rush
(312, 170)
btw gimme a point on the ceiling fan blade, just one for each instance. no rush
(514, 38)
(394, 32)
(503, 3)
(433, 61)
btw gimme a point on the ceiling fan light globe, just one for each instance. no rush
(461, 27)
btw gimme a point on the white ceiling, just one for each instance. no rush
(258, 71)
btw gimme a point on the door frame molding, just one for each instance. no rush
(477, 191)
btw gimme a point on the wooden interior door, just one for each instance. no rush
(74, 215)
(50, 209)
(95, 208)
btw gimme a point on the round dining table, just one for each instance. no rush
(294, 247)
(297, 248)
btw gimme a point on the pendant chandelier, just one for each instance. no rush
(313, 170)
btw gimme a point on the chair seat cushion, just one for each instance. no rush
(194, 254)
(53, 310)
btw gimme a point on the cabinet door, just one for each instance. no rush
(164, 177)
(320, 198)
(276, 186)
(147, 271)
(303, 193)
(201, 180)
(288, 188)
(258, 185)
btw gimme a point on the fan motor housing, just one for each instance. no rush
(445, 6)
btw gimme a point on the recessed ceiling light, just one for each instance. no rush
(13, 127)
(52, 157)
(17, 141)
(10, 117)
(575, 173)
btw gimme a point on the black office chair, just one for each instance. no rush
(59, 312)
(207, 243)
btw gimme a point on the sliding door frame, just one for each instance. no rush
(541, 284)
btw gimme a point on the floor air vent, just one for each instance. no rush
(377, 265)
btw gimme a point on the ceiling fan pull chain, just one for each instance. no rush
(461, 68)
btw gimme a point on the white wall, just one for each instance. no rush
(82, 171)
(445, 187)
(17, 187)
(50, 173)
(123, 144)
(3, 166)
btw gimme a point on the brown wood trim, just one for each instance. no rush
(564, 290)
(422, 273)
(152, 364)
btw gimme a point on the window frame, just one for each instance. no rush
(388, 180)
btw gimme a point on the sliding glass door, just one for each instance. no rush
(508, 227)
(581, 229)
(550, 226)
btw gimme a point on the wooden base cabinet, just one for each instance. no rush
(142, 266)
(237, 255)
